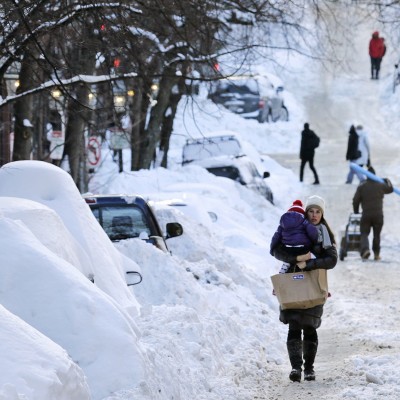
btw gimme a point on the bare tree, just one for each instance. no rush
(86, 47)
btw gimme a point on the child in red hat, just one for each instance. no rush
(296, 233)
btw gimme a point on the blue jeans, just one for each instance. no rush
(351, 173)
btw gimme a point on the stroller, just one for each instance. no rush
(351, 238)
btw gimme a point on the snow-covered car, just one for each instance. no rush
(224, 144)
(223, 156)
(186, 201)
(130, 216)
(251, 96)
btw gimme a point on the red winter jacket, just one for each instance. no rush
(376, 46)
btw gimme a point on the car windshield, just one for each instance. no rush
(241, 86)
(122, 222)
(204, 148)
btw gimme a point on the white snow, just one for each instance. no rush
(203, 323)
(27, 123)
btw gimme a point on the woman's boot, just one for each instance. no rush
(295, 350)
(309, 353)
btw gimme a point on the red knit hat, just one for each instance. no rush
(297, 206)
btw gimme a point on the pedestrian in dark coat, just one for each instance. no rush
(358, 137)
(352, 146)
(309, 142)
(377, 50)
(369, 195)
(307, 321)
(353, 154)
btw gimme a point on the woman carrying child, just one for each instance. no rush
(302, 339)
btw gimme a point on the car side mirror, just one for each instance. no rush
(133, 278)
(213, 216)
(266, 175)
(174, 229)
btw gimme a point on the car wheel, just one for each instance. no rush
(262, 116)
(342, 255)
(284, 114)
(343, 249)
(269, 116)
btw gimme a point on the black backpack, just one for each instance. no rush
(316, 141)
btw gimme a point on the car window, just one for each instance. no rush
(96, 213)
(122, 222)
(247, 172)
(227, 172)
(240, 86)
(253, 170)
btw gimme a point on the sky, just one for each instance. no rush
(203, 323)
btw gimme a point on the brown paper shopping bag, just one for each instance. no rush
(300, 290)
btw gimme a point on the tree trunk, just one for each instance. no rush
(23, 111)
(5, 127)
(136, 118)
(167, 126)
(78, 115)
(75, 140)
(153, 131)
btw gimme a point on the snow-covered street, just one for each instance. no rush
(360, 332)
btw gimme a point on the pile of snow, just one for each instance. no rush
(45, 257)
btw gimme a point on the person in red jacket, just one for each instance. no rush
(377, 50)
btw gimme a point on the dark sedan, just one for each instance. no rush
(130, 216)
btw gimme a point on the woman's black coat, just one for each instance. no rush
(352, 146)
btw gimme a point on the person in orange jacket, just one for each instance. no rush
(377, 50)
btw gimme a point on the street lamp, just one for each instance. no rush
(56, 93)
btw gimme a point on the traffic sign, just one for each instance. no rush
(119, 139)
(93, 151)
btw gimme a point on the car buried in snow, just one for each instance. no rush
(251, 97)
(130, 216)
(223, 156)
